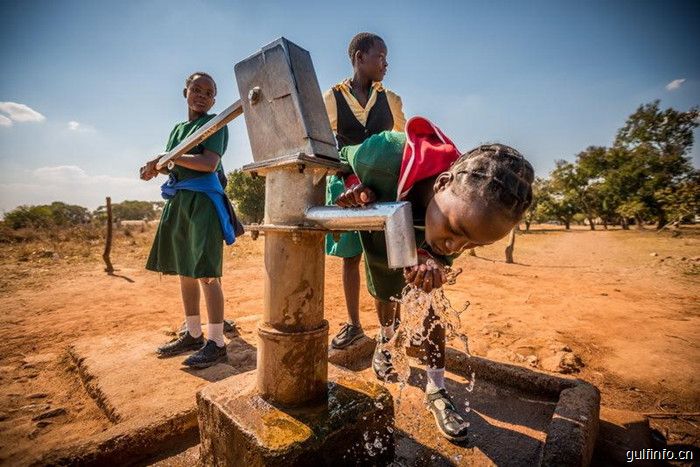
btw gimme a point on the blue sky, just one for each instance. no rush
(547, 77)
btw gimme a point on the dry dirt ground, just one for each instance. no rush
(619, 309)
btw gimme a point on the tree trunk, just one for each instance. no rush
(108, 242)
(509, 248)
(640, 223)
(567, 224)
(625, 224)
(590, 221)
(605, 224)
(527, 226)
(661, 221)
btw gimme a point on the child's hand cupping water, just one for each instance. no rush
(427, 275)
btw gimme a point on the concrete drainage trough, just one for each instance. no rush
(557, 417)
(568, 421)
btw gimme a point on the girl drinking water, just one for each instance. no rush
(458, 202)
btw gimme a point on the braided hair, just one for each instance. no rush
(363, 42)
(194, 75)
(497, 173)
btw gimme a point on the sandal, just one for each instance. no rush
(448, 420)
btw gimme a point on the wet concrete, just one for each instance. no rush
(238, 427)
(511, 407)
(507, 427)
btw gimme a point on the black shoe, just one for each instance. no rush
(207, 356)
(348, 334)
(184, 343)
(448, 420)
(381, 362)
(230, 326)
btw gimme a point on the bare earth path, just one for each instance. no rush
(596, 302)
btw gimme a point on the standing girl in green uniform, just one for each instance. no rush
(193, 226)
(358, 108)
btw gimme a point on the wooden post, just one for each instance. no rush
(509, 248)
(108, 242)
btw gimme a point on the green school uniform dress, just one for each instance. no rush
(189, 241)
(377, 162)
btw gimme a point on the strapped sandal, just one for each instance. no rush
(381, 362)
(448, 420)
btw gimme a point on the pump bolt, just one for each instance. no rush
(254, 95)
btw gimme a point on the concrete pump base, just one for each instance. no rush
(238, 427)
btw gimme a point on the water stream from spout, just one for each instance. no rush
(415, 308)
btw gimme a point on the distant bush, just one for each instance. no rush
(56, 214)
(248, 194)
(131, 210)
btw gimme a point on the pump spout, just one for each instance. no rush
(395, 219)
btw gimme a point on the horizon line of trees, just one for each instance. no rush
(59, 214)
(645, 176)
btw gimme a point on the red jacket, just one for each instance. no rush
(428, 152)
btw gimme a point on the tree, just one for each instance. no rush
(681, 201)
(57, 214)
(659, 142)
(36, 217)
(132, 210)
(68, 214)
(633, 208)
(533, 213)
(248, 194)
(556, 204)
(575, 183)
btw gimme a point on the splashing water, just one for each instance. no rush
(416, 306)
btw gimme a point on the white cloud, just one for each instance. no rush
(72, 184)
(675, 84)
(79, 127)
(60, 174)
(4, 121)
(20, 112)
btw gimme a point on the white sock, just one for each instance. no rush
(388, 332)
(194, 325)
(436, 380)
(215, 332)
